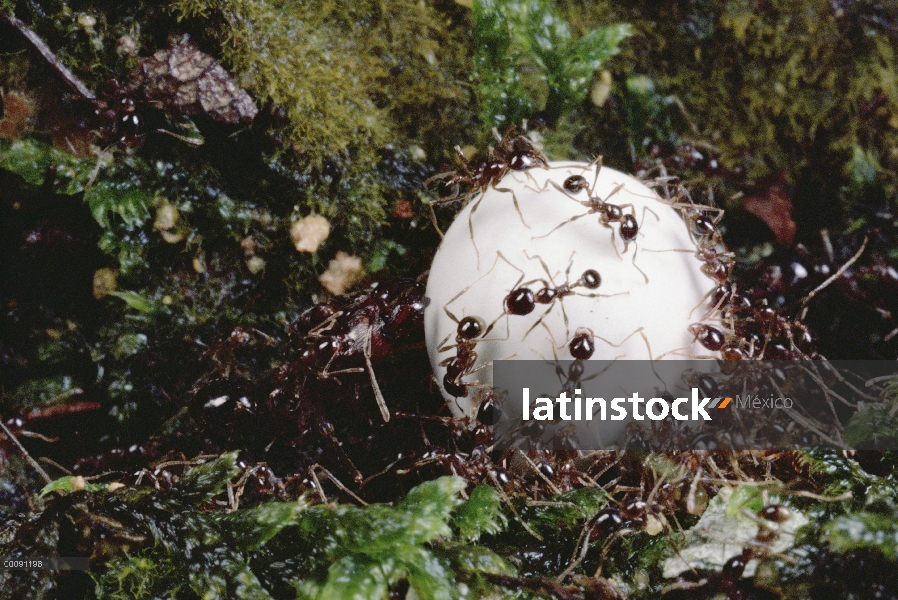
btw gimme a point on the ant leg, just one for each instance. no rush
(598, 165)
(613, 245)
(621, 343)
(570, 263)
(182, 138)
(539, 321)
(514, 199)
(616, 189)
(381, 403)
(627, 293)
(464, 160)
(442, 349)
(471, 228)
(557, 227)
(475, 282)
(490, 327)
(714, 309)
(646, 208)
(433, 219)
(325, 325)
(641, 272)
(546, 268)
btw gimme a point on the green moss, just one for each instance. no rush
(348, 76)
(527, 56)
(772, 85)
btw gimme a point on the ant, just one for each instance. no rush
(608, 213)
(352, 334)
(512, 153)
(718, 265)
(469, 333)
(522, 300)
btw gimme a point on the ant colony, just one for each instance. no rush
(567, 261)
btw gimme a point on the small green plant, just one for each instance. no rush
(181, 542)
(527, 56)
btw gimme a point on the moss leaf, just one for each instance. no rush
(480, 514)
(202, 482)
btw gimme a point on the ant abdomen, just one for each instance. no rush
(583, 345)
(591, 279)
(710, 337)
(629, 228)
(453, 387)
(521, 302)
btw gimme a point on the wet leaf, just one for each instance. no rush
(252, 528)
(356, 577)
(202, 482)
(872, 426)
(71, 483)
(864, 530)
(774, 206)
(135, 301)
(476, 559)
(191, 82)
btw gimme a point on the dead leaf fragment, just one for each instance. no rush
(309, 232)
(18, 114)
(774, 207)
(192, 82)
(342, 273)
(105, 282)
(403, 209)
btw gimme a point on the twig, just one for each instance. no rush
(35, 40)
(24, 452)
(832, 278)
(339, 484)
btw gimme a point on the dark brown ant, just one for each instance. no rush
(467, 333)
(512, 153)
(522, 300)
(608, 213)
(365, 328)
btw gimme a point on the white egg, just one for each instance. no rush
(528, 231)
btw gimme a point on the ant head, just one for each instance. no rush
(703, 225)
(591, 279)
(575, 183)
(471, 327)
